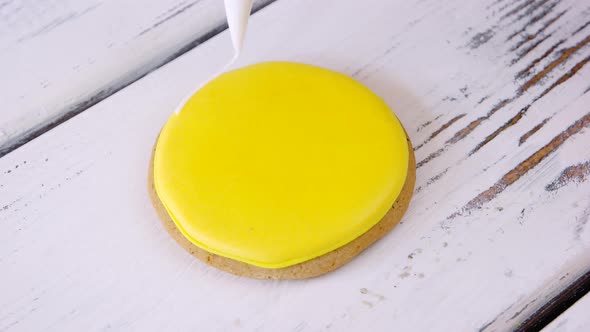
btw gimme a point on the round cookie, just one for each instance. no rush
(312, 268)
(282, 171)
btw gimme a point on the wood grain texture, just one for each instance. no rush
(58, 58)
(81, 248)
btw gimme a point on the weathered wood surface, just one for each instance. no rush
(494, 95)
(57, 58)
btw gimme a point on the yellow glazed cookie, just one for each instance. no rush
(274, 170)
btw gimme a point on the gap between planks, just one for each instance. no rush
(71, 111)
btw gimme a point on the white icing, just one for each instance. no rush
(237, 13)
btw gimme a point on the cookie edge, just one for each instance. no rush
(311, 268)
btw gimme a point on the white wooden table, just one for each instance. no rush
(494, 94)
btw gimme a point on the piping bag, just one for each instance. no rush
(237, 13)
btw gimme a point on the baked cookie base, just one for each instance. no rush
(311, 268)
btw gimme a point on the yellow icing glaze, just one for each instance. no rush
(278, 163)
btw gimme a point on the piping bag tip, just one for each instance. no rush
(237, 13)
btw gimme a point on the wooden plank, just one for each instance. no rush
(497, 226)
(575, 319)
(58, 58)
